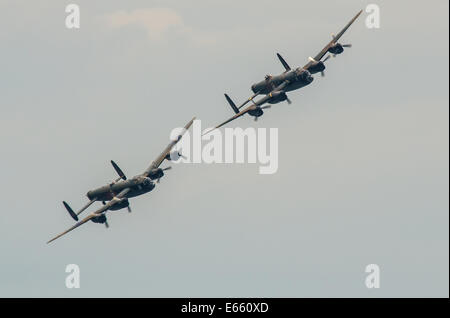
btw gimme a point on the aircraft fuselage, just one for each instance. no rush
(138, 185)
(297, 78)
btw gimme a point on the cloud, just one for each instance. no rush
(156, 21)
(161, 23)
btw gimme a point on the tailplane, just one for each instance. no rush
(232, 104)
(69, 209)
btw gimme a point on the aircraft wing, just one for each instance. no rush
(242, 112)
(249, 99)
(324, 51)
(99, 212)
(157, 162)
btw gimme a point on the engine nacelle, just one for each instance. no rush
(120, 205)
(277, 97)
(173, 156)
(337, 48)
(257, 112)
(99, 219)
(156, 174)
(316, 67)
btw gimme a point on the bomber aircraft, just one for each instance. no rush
(121, 189)
(275, 87)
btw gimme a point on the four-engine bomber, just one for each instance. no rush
(115, 195)
(275, 87)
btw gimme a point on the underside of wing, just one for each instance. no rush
(242, 112)
(95, 214)
(88, 218)
(324, 51)
(157, 162)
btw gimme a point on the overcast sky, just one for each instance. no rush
(363, 152)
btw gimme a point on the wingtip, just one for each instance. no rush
(208, 131)
(189, 124)
(56, 237)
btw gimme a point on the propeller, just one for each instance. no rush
(344, 45)
(181, 155)
(106, 224)
(174, 155)
(324, 60)
(129, 209)
(262, 107)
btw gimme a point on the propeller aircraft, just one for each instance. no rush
(275, 87)
(115, 195)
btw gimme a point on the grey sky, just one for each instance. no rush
(363, 152)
